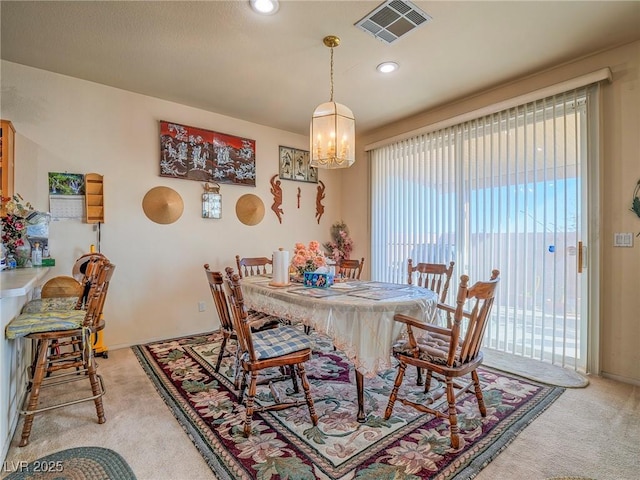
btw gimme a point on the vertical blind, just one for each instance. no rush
(501, 191)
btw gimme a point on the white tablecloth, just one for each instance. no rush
(358, 317)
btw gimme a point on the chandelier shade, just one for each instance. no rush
(333, 128)
(332, 133)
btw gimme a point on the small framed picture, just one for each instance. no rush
(294, 165)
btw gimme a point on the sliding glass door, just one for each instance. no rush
(503, 191)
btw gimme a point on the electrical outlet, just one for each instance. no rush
(201, 306)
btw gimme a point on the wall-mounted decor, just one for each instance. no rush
(197, 154)
(276, 191)
(66, 196)
(635, 203)
(319, 198)
(250, 209)
(66, 183)
(94, 198)
(162, 205)
(211, 201)
(294, 165)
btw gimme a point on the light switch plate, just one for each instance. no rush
(623, 239)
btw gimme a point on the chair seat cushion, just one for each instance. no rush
(280, 341)
(49, 321)
(263, 321)
(49, 304)
(431, 348)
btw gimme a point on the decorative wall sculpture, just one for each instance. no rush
(319, 198)
(276, 191)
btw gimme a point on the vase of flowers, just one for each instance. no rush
(307, 259)
(14, 228)
(341, 244)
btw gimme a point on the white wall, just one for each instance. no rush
(68, 125)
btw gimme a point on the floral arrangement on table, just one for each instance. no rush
(341, 244)
(14, 226)
(307, 259)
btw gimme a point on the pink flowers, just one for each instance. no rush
(307, 259)
(341, 245)
(13, 222)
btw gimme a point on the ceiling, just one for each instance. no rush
(274, 70)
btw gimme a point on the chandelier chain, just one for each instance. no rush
(331, 95)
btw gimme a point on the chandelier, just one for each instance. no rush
(333, 128)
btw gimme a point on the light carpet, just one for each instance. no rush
(408, 446)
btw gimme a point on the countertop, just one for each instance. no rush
(19, 281)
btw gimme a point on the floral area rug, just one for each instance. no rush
(285, 445)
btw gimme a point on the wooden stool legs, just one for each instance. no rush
(45, 364)
(38, 375)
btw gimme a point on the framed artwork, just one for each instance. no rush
(294, 165)
(205, 156)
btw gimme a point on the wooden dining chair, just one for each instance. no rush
(284, 347)
(260, 320)
(434, 276)
(449, 353)
(350, 269)
(249, 266)
(71, 331)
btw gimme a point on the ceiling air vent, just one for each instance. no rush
(392, 20)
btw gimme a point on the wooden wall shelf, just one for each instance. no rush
(94, 198)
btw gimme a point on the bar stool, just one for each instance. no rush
(71, 331)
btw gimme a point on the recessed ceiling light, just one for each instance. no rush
(387, 67)
(265, 7)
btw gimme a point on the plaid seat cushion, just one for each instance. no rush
(263, 321)
(279, 341)
(431, 348)
(49, 304)
(51, 321)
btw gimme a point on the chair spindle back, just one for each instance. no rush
(250, 266)
(434, 276)
(351, 269)
(471, 324)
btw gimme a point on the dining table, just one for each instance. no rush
(356, 315)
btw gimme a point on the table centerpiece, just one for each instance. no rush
(306, 259)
